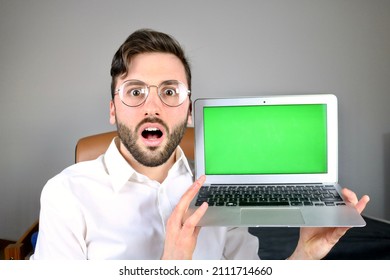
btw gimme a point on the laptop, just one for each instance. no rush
(270, 161)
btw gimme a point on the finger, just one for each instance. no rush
(190, 224)
(194, 219)
(337, 234)
(186, 199)
(349, 196)
(196, 231)
(362, 203)
(190, 193)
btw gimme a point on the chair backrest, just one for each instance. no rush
(91, 147)
(87, 148)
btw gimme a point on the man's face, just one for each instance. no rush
(151, 132)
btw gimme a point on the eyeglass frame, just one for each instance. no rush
(119, 91)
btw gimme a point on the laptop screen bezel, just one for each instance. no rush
(329, 100)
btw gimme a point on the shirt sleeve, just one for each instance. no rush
(240, 245)
(61, 224)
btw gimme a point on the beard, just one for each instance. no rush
(153, 156)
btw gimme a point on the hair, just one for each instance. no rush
(145, 41)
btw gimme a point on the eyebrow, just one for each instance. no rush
(137, 82)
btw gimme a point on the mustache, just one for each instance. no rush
(152, 120)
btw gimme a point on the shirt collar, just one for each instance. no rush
(121, 171)
(181, 159)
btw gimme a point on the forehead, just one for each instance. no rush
(154, 68)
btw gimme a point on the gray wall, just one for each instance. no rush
(54, 77)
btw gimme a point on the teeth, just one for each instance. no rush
(151, 129)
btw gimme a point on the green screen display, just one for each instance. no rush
(272, 139)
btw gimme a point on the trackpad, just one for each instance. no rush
(272, 217)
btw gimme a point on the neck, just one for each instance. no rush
(158, 173)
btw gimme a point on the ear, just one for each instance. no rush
(112, 112)
(189, 120)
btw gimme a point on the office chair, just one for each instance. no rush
(87, 148)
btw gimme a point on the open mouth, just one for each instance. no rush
(152, 133)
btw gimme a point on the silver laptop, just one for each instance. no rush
(270, 161)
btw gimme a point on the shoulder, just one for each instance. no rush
(74, 177)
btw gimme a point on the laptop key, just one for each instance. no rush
(264, 203)
(231, 204)
(331, 199)
(296, 203)
(327, 203)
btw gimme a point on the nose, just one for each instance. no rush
(152, 105)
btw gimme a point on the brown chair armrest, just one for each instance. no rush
(23, 248)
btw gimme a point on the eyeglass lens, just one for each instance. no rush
(134, 93)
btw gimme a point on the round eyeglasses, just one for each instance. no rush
(133, 93)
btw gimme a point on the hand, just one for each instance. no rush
(181, 236)
(315, 243)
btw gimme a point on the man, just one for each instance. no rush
(130, 202)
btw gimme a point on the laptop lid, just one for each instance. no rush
(274, 140)
(267, 139)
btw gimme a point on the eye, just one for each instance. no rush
(135, 92)
(170, 92)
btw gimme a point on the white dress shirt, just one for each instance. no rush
(104, 209)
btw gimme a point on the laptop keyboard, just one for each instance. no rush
(253, 195)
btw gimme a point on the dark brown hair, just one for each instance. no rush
(145, 41)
